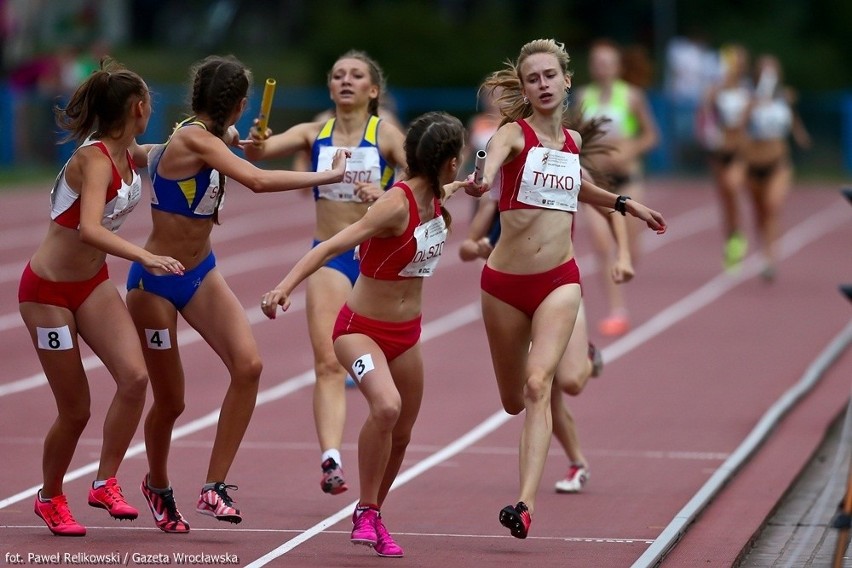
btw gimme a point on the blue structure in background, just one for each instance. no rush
(7, 132)
(846, 130)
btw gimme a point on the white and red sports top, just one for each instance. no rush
(121, 198)
(539, 177)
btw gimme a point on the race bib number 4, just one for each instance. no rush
(158, 339)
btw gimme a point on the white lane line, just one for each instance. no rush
(311, 446)
(810, 230)
(232, 530)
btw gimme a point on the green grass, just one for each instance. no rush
(166, 65)
(30, 176)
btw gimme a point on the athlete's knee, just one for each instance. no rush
(385, 411)
(538, 385)
(74, 418)
(571, 381)
(247, 370)
(168, 409)
(133, 385)
(327, 368)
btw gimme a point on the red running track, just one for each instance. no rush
(708, 355)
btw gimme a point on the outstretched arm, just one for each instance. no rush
(594, 195)
(388, 215)
(214, 152)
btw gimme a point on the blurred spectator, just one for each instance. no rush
(771, 120)
(723, 115)
(691, 68)
(631, 132)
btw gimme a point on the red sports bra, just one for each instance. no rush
(413, 254)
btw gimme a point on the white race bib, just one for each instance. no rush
(54, 338)
(430, 237)
(551, 179)
(363, 166)
(208, 203)
(116, 211)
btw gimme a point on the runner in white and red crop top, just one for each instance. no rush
(530, 283)
(377, 333)
(65, 293)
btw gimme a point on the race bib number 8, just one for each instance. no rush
(54, 338)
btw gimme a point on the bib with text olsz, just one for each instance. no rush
(551, 179)
(430, 237)
(363, 166)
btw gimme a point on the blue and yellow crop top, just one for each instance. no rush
(366, 163)
(199, 196)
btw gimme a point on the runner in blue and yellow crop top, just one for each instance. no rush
(356, 87)
(365, 165)
(199, 196)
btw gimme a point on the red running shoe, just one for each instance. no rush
(109, 497)
(57, 516)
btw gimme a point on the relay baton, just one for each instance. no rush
(265, 107)
(478, 166)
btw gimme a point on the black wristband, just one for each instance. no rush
(621, 204)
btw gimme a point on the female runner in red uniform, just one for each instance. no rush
(377, 333)
(65, 291)
(530, 284)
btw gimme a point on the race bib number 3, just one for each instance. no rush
(158, 339)
(54, 338)
(362, 366)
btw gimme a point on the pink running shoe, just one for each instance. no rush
(613, 326)
(109, 497)
(57, 516)
(332, 481)
(163, 507)
(364, 529)
(516, 519)
(575, 479)
(217, 503)
(385, 545)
